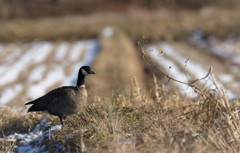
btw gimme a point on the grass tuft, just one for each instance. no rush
(17, 122)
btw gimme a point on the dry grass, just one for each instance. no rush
(17, 122)
(137, 123)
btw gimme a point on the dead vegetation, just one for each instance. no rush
(137, 122)
(16, 121)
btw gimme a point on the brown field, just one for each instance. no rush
(154, 25)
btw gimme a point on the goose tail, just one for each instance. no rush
(29, 103)
(37, 105)
(32, 109)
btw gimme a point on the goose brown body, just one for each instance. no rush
(64, 101)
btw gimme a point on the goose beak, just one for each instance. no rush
(91, 72)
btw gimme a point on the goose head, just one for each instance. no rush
(83, 71)
(86, 70)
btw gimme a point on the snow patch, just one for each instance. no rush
(42, 51)
(9, 93)
(61, 52)
(76, 51)
(37, 73)
(36, 54)
(33, 141)
(219, 51)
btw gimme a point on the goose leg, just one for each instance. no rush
(61, 119)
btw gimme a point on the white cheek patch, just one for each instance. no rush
(84, 72)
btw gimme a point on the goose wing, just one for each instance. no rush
(42, 103)
(72, 101)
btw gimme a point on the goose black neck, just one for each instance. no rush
(80, 80)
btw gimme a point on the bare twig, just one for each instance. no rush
(185, 68)
(207, 75)
(153, 65)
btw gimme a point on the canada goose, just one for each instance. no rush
(64, 101)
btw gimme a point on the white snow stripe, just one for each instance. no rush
(37, 73)
(76, 51)
(36, 54)
(42, 51)
(9, 93)
(14, 70)
(61, 52)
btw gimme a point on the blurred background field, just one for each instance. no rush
(159, 19)
(132, 105)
